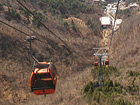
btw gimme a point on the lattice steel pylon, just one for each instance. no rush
(101, 52)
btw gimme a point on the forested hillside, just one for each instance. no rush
(125, 43)
(121, 78)
(66, 32)
(67, 20)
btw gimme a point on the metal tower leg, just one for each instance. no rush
(100, 77)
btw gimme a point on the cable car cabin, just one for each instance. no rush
(43, 78)
(106, 62)
(96, 64)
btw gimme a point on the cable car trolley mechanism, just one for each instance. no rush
(44, 77)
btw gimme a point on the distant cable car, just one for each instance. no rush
(43, 78)
(96, 64)
(106, 62)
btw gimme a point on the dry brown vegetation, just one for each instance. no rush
(125, 51)
(73, 70)
(16, 66)
(125, 45)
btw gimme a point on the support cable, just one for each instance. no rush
(51, 31)
(18, 30)
(114, 23)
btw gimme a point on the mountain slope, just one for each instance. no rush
(125, 45)
(16, 66)
(121, 84)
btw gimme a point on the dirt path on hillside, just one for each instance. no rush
(68, 91)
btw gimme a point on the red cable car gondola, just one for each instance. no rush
(106, 62)
(43, 78)
(96, 64)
